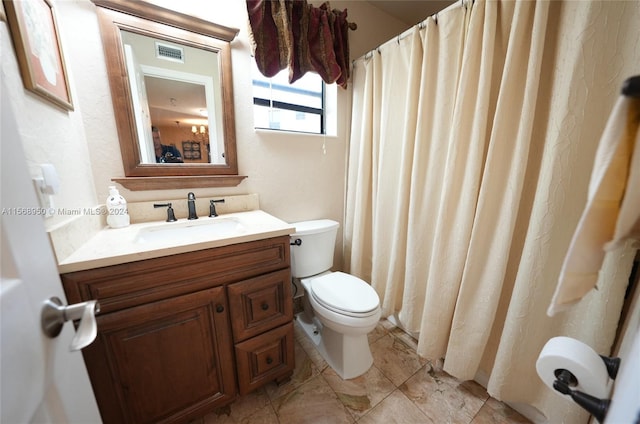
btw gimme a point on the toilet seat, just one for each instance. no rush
(345, 294)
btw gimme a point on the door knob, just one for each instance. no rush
(54, 315)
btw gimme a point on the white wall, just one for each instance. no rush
(294, 178)
(50, 134)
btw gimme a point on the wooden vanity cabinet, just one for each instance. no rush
(183, 334)
(165, 361)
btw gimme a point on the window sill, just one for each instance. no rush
(293, 133)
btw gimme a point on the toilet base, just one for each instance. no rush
(348, 356)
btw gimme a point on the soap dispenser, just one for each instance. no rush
(118, 215)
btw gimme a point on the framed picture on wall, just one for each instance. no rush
(36, 40)
(191, 149)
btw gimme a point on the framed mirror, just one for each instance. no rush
(172, 91)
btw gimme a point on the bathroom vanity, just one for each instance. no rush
(183, 332)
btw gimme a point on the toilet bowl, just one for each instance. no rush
(339, 309)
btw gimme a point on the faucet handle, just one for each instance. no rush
(171, 217)
(212, 207)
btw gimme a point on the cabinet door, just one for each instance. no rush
(167, 361)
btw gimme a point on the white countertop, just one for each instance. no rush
(121, 245)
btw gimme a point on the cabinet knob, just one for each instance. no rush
(269, 360)
(265, 306)
(219, 308)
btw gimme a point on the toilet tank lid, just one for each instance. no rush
(313, 227)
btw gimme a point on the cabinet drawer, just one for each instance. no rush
(265, 358)
(131, 284)
(260, 304)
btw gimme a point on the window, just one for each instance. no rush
(299, 107)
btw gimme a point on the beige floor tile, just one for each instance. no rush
(309, 348)
(400, 387)
(397, 360)
(264, 415)
(243, 409)
(496, 412)
(359, 395)
(443, 398)
(313, 402)
(388, 325)
(382, 329)
(395, 408)
(410, 341)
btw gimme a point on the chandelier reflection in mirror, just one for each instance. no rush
(194, 150)
(200, 134)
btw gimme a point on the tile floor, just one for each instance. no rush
(400, 387)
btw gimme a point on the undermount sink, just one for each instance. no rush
(201, 229)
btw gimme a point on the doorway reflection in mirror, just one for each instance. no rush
(183, 86)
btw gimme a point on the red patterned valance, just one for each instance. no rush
(295, 35)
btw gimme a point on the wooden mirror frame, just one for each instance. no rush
(148, 19)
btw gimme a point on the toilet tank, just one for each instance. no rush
(314, 255)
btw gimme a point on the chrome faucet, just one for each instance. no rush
(191, 205)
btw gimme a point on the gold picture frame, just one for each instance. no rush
(36, 40)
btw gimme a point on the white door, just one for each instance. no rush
(41, 380)
(140, 105)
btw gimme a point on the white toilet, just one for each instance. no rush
(339, 309)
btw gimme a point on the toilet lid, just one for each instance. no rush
(344, 293)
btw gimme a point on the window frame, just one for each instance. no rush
(275, 104)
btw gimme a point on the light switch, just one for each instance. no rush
(47, 185)
(51, 182)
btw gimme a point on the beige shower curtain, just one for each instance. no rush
(471, 147)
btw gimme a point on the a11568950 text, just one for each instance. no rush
(24, 211)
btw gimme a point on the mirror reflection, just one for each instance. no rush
(176, 101)
(187, 58)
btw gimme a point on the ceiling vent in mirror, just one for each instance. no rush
(167, 52)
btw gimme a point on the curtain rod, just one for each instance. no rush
(420, 25)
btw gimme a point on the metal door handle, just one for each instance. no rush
(54, 315)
